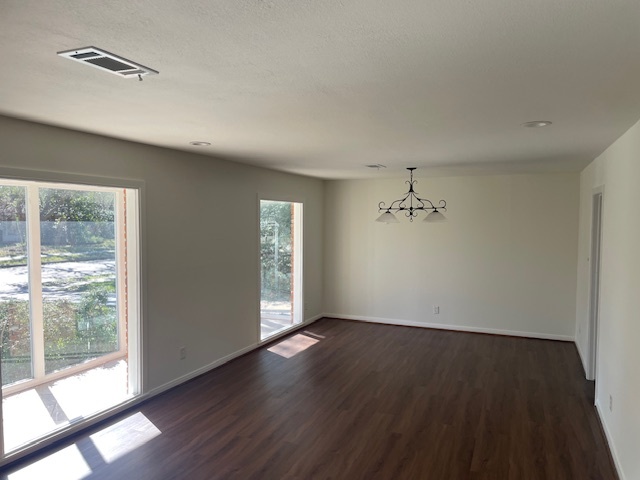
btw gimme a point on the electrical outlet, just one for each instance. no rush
(436, 310)
(183, 353)
(611, 403)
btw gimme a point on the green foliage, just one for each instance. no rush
(77, 331)
(12, 204)
(16, 341)
(14, 328)
(94, 313)
(73, 332)
(275, 249)
(58, 205)
(12, 222)
(69, 217)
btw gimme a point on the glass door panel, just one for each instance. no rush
(78, 256)
(15, 328)
(280, 227)
(68, 306)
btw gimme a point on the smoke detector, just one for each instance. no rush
(108, 62)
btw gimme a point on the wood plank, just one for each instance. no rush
(371, 401)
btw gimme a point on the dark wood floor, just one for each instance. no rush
(374, 402)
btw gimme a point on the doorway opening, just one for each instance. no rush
(69, 297)
(594, 290)
(280, 266)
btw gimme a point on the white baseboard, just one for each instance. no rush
(188, 376)
(607, 434)
(460, 328)
(225, 359)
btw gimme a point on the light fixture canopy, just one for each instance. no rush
(411, 204)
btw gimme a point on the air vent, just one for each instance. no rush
(108, 62)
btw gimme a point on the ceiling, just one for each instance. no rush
(323, 88)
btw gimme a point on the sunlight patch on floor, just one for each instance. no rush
(125, 436)
(87, 456)
(68, 464)
(292, 345)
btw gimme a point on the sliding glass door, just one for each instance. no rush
(281, 266)
(68, 305)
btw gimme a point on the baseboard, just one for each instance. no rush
(225, 359)
(199, 371)
(612, 450)
(459, 328)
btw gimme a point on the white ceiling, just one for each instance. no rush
(324, 87)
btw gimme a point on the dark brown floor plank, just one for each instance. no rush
(376, 402)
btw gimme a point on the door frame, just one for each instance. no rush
(597, 203)
(137, 279)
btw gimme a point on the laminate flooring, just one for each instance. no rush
(349, 400)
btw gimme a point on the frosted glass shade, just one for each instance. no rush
(435, 217)
(387, 217)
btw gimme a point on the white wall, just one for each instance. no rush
(201, 231)
(618, 360)
(504, 262)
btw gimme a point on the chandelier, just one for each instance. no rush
(411, 204)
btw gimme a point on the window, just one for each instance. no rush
(281, 266)
(68, 305)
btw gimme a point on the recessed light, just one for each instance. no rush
(200, 144)
(537, 124)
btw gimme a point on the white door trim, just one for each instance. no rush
(597, 202)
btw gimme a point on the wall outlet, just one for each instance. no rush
(611, 403)
(436, 310)
(183, 353)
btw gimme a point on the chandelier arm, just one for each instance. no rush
(426, 201)
(442, 204)
(399, 203)
(420, 203)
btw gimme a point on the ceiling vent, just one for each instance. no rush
(108, 62)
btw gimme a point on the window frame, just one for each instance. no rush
(137, 274)
(298, 242)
